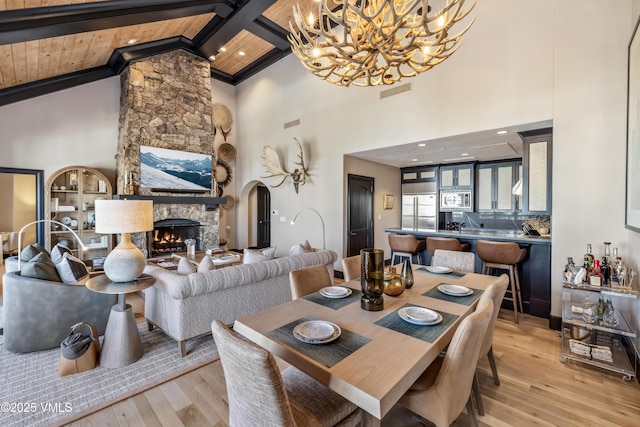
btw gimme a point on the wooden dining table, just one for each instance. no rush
(378, 355)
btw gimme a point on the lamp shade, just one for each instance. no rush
(123, 216)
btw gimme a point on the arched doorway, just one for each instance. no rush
(255, 213)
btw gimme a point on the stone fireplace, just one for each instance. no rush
(166, 102)
(169, 235)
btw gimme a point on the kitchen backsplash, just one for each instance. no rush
(475, 221)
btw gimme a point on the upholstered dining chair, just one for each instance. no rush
(442, 391)
(495, 292)
(260, 395)
(455, 260)
(308, 280)
(351, 267)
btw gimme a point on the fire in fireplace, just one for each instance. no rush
(169, 234)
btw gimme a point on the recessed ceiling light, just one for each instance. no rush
(502, 132)
(222, 49)
(414, 160)
(241, 53)
(132, 41)
(464, 154)
(421, 144)
(212, 58)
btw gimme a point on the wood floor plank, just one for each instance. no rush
(536, 389)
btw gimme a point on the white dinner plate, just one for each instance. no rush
(335, 292)
(415, 320)
(66, 220)
(455, 290)
(438, 269)
(73, 223)
(316, 331)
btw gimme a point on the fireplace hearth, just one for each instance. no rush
(169, 234)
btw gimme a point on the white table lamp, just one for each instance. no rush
(81, 244)
(125, 262)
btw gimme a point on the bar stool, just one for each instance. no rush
(405, 246)
(504, 256)
(446, 243)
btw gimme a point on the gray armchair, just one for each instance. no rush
(38, 314)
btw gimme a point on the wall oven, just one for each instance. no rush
(456, 201)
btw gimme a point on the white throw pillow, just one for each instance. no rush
(251, 256)
(185, 267)
(58, 251)
(72, 270)
(301, 248)
(206, 264)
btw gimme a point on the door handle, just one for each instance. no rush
(352, 234)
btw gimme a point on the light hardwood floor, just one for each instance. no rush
(536, 390)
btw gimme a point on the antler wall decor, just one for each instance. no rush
(274, 166)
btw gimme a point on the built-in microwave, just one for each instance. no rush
(455, 201)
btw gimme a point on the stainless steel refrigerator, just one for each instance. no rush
(419, 206)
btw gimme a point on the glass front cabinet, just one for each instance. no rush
(598, 327)
(71, 193)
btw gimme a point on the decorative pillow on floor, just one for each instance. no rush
(301, 248)
(58, 251)
(40, 267)
(31, 251)
(72, 270)
(257, 255)
(185, 267)
(206, 264)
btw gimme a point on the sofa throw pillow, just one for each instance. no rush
(57, 253)
(72, 270)
(185, 267)
(251, 256)
(301, 248)
(206, 264)
(31, 251)
(40, 267)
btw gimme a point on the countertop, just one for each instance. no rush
(500, 235)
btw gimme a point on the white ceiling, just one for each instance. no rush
(480, 146)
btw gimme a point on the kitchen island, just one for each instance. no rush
(534, 270)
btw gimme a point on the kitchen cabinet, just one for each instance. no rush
(593, 342)
(536, 179)
(71, 193)
(456, 177)
(419, 174)
(495, 184)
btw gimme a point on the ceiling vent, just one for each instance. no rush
(395, 91)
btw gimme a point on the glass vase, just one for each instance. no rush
(407, 274)
(393, 283)
(372, 279)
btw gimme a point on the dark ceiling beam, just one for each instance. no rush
(53, 84)
(270, 31)
(43, 22)
(122, 57)
(220, 35)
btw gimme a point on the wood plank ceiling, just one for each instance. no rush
(50, 45)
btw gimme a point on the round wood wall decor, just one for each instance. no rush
(223, 173)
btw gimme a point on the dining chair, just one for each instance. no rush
(351, 267)
(308, 280)
(494, 292)
(455, 260)
(260, 395)
(444, 389)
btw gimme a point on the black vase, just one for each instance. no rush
(372, 279)
(407, 274)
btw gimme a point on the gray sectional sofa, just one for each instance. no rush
(184, 306)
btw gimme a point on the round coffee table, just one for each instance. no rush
(121, 345)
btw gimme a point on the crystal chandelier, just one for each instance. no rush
(375, 42)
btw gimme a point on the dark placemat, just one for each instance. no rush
(456, 274)
(426, 333)
(328, 354)
(334, 303)
(466, 300)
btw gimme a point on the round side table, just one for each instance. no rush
(121, 345)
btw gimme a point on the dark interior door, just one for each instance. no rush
(264, 217)
(360, 214)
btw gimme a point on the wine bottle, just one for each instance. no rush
(605, 268)
(595, 275)
(588, 258)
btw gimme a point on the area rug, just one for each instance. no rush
(32, 394)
